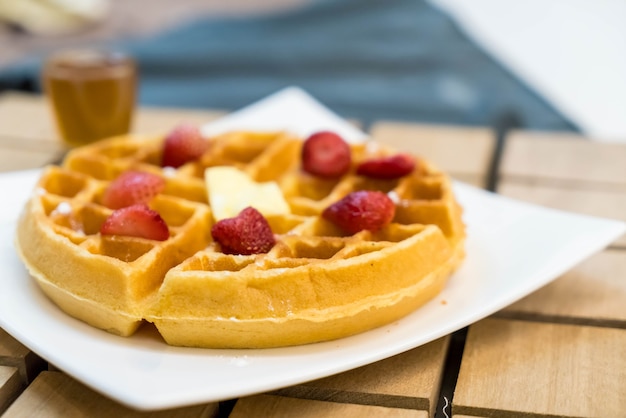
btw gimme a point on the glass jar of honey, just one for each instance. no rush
(92, 93)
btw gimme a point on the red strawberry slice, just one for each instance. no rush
(247, 233)
(387, 168)
(136, 221)
(184, 144)
(363, 209)
(131, 188)
(325, 154)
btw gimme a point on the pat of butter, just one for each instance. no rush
(230, 191)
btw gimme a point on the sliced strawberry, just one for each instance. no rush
(131, 188)
(184, 144)
(363, 209)
(136, 221)
(247, 233)
(387, 168)
(326, 154)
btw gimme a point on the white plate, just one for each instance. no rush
(512, 249)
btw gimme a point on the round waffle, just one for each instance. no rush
(317, 283)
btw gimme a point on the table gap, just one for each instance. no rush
(506, 122)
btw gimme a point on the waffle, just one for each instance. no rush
(317, 283)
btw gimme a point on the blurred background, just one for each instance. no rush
(557, 65)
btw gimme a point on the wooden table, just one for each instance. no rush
(560, 352)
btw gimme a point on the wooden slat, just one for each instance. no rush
(512, 368)
(564, 171)
(15, 354)
(468, 416)
(10, 386)
(27, 122)
(464, 152)
(56, 395)
(564, 157)
(152, 120)
(269, 406)
(607, 204)
(594, 291)
(17, 159)
(408, 380)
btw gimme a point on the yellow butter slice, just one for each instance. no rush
(230, 190)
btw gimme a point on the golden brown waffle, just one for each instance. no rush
(317, 283)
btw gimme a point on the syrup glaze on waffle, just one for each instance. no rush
(317, 283)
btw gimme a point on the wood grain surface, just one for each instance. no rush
(269, 406)
(10, 386)
(56, 395)
(520, 368)
(565, 159)
(15, 354)
(410, 381)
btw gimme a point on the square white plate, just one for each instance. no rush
(512, 249)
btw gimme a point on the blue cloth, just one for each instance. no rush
(365, 59)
